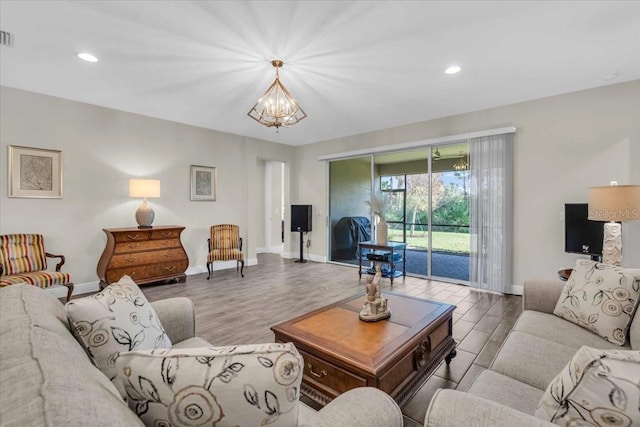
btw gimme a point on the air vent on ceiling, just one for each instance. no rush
(6, 38)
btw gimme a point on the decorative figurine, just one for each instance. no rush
(375, 306)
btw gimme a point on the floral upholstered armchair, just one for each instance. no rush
(23, 259)
(225, 244)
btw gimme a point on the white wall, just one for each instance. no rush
(564, 145)
(102, 149)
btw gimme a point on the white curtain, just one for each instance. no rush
(491, 199)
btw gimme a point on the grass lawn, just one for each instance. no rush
(442, 241)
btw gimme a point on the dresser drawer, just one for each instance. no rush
(146, 245)
(132, 236)
(334, 379)
(149, 257)
(165, 234)
(139, 274)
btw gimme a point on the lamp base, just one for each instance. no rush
(612, 244)
(145, 215)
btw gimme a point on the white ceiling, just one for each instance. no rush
(354, 66)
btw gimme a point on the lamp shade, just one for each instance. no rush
(619, 203)
(144, 188)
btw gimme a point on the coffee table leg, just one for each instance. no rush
(450, 356)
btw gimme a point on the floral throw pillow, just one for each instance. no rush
(247, 385)
(601, 298)
(596, 388)
(117, 319)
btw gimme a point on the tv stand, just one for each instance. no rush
(301, 260)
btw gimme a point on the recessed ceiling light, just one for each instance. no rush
(453, 69)
(87, 57)
(610, 77)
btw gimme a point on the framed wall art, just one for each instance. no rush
(35, 172)
(203, 183)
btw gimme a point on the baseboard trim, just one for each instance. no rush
(91, 287)
(309, 257)
(271, 250)
(78, 289)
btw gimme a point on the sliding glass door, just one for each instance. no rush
(425, 198)
(450, 218)
(349, 214)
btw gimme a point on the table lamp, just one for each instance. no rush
(614, 203)
(144, 188)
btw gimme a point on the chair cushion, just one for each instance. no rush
(601, 298)
(225, 243)
(22, 253)
(224, 255)
(117, 319)
(596, 387)
(40, 279)
(246, 385)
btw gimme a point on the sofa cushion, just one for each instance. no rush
(247, 385)
(46, 377)
(117, 319)
(553, 328)
(601, 298)
(596, 387)
(530, 359)
(507, 391)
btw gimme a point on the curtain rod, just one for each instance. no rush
(418, 144)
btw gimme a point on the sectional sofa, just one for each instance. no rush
(537, 349)
(46, 377)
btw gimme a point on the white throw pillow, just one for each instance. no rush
(117, 319)
(246, 385)
(601, 298)
(596, 388)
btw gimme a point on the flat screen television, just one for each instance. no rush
(582, 236)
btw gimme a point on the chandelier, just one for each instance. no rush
(276, 107)
(461, 164)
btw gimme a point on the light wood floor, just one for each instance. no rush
(234, 310)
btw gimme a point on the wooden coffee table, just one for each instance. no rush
(396, 355)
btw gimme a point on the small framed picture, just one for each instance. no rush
(35, 172)
(203, 183)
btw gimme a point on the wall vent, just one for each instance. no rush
(6, 38)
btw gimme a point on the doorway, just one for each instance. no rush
(274, 207)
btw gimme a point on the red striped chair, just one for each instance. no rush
(225, 244)
(24, 260)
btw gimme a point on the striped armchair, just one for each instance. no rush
(24, 260)
(225, 244)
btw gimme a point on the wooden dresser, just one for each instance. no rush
(147, 255)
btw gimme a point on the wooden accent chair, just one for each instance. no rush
(225, 244)
(24, 260)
